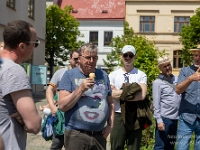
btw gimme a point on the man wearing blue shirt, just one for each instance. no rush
(189, 120)
(166, 104)
(87, 103)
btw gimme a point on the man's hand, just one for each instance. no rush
(181, 87)
(161, 126)
(106, 131)
(54, 109)
(87, 84)
(17, 117)
(196, 75)
(116, 94)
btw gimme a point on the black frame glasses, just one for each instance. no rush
(128, 55)
(35, 43)
(89, 57)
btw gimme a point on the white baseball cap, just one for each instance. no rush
(128, 48)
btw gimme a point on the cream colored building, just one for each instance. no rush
(32, 11)
(160, 21)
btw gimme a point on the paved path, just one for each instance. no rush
(36, 142)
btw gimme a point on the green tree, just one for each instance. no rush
(190, 37)
(146, 61)
(61, 34)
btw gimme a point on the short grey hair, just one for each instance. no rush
(88, 47)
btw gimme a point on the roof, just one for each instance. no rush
(96, 9)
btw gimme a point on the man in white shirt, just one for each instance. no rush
(126, 74)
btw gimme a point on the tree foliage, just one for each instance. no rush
(61, 34)
(190, 37)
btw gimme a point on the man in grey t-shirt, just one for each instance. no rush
(58, 142)
(18, 112)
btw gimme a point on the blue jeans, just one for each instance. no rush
(184, 133)
(165, 140)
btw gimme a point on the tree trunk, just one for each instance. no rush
(51, 62)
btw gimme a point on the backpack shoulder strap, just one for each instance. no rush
(172, 85)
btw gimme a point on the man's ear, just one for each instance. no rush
(21, 46)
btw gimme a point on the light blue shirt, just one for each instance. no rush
(190, 102)
(165, 100)
(91, 111)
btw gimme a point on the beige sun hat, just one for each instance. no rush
(194, 50)
(162, 60)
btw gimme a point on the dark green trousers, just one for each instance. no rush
(121, 136)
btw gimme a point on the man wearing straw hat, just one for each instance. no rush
(166, 104)
(189, 120)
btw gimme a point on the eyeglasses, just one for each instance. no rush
(89, 57)
(75, 59)
(35, 44)
(128, 55)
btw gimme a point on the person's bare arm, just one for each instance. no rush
(110, 122)
(17, 116)
(25, 105)
(50, 95)
(115, 93)
(1, 143)
(141, 95)
(67, 100)
(181, 87)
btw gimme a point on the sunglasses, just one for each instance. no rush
(128, 55)
(35, 43)
(75, 59)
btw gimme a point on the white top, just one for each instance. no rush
(117, 79)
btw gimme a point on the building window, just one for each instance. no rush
(10, 3)
(179, 22)
(147, 23)
(31, 9)
(94, 37)
(108, 35)
(177, 60)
